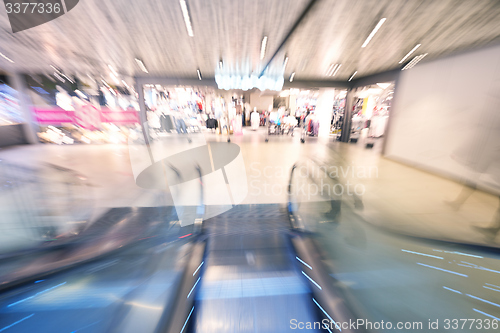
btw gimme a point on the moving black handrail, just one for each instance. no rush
(43, 203)
(328, 298)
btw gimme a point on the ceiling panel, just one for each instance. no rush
(101, 32)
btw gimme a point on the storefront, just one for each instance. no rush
(182, 109)
(178, 109)
(338, 114)
(370, 113)
(320, 111)
(77, 110)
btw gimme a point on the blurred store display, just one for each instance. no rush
(10, 112)
(78, 111)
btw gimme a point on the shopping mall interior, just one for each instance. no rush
(249, 166)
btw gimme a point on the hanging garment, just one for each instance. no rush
(167, 123)
(181, 126)
(315, 125)
(212, 123)
(237, 126)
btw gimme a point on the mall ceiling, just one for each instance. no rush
(98, 33)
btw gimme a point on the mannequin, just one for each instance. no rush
(255, 119)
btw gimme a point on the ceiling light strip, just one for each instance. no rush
(352, 76)
(328, 69)
(114, 78)
(409, 53)
(6, 58)
(111, 68)
(336, 71)
(331, 69)
(141, 65)
(374, 31)
(67, 78)
(292, 76)
(417, 60)
(263, 47)
(199, 74)
(410, 63)
(414, 61)
(55, 68)
(59, 77)
(187, 20)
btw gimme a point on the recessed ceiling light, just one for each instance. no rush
(374, 31)
(199, 74)
(263, 47)
(221, 64)
(352, 76)
(6, 58)
(285, 62)
(292, 76)
(409, 53)
(141, 65)
(187, 20)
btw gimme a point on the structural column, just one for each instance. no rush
(346, 126)
(143, 118)
(324, 111)
(30, 126)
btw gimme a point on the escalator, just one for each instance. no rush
(251, 280)
(253, 268)
(241, 274)
(309, 265)
(257, 274)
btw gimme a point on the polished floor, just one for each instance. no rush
(399, 242)
(395, 196)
